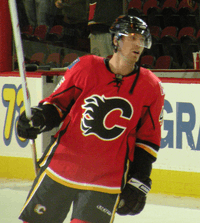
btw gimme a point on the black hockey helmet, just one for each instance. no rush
(126, 24)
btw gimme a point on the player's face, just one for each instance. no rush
(132, 45)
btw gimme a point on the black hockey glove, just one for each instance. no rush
(29, 129)
(133, 198)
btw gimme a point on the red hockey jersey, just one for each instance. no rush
(100, 132)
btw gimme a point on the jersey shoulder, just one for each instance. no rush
(152, 81)
(85, 61)
(149, 76)
(85, 64)
(90, 60)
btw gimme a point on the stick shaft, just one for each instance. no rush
(34, 157)
(21, 64)
(20, 55)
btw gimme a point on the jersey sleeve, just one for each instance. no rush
(148, 137)
(68, 90)
(149, 127)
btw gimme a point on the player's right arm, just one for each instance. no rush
(51, 111)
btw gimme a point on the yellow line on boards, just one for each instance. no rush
(170, 182)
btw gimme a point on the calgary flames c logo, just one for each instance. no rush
(100, 116)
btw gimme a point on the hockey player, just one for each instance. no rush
(101, 158)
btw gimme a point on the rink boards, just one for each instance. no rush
(177, 169)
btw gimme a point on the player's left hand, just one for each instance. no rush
(132, 198)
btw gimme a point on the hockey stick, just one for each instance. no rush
(20, 58)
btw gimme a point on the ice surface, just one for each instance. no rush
(12, 200)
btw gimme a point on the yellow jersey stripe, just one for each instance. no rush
(58, 109)
(148, 149)
(47, 155)
(127, 170)
(81, 186)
